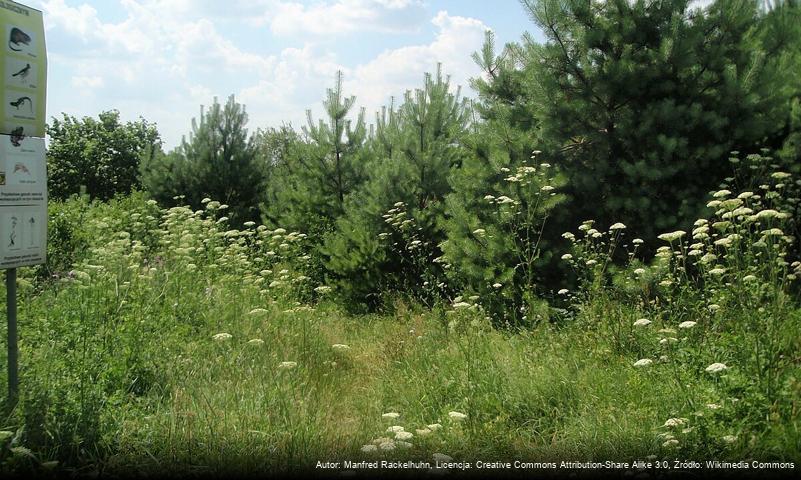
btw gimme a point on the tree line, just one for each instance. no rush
(628, 112)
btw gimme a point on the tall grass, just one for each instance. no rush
(175, 344)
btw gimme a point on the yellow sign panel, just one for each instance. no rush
(23, 65)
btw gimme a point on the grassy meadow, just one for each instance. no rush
(164, 341)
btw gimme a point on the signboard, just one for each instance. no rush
(23, 201)
(23, 65)
(23, 178)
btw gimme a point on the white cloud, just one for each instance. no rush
(395, 71)
(84, 82)
(164, 59)
(344, 16)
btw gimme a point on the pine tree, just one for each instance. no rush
(642, 101)
(322, 168)
(218, 161)
(388, 237)
(502, 198)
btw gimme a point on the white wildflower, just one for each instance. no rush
(674, 422)
(457, 416)
(672, 236)
(716, 368)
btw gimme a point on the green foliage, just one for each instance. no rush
(219, 160)
(99, 156)
(166, 345)
(388, 237)
(642, 101)
(502, 196)
(320, 169)
(168, 338)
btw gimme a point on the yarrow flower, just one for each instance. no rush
(642, 322)
(256, 341)
(395, 429)
(369, 448)
(687, 324)
(721, 193)
(674, 422)
(457, 416)
(672, 236)
(716, 368)
(643, 362)
(403, 435)
(617, 226)
(220, 337)
(340, 347)
(287, 365)
(391, 415)
(563, 291)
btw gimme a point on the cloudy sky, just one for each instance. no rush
(162, 59)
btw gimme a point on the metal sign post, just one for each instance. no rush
(23, 176)
(11, 305)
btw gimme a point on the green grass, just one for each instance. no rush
(120, 371)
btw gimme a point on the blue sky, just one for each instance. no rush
(162, 59)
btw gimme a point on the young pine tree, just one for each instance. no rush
(322, 168)
(501, 199)
(388, 237)
(218, 161)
